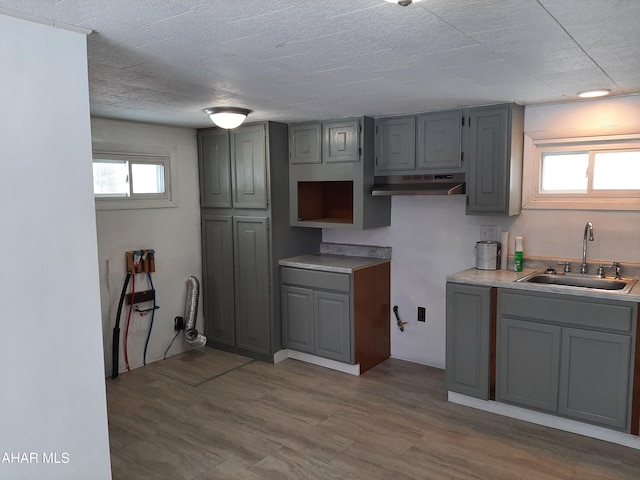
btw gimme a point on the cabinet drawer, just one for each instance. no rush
(316, 279)
(566, 310)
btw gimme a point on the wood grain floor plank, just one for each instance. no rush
(215, 415)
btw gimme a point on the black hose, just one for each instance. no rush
(115, 353)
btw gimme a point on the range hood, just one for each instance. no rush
(439, 184)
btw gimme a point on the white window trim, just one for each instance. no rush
(533, 200)
(138, 153)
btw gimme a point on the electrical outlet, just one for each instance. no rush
(422, 314)
(488, 232)
(178, 324)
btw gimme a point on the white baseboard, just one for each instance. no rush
(547, 420)
(315, 360)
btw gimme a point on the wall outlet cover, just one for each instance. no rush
(422, 314)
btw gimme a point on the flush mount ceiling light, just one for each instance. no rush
(601, 92)
(404, 3)
(227, 117)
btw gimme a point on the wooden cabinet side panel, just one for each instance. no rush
(218, 294)
(252, 284)
(372, 315)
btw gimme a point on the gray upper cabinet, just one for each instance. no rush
(468, 339)
(248, 160)
(340, 141)
(428, 143)
(215, 169)
(395, 144)
(233, 168)
(334, 192)
(493, 147)
(439, 142)
(305, 143)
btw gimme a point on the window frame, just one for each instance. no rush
(167, 199)
(534, 198)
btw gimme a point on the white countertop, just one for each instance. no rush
(331, 263)
(507, 279)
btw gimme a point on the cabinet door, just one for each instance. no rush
(395, 144)
(252, 284)
(305, 143)
(215, 169)
(248, 155)
(332, 337)
(486, 156)
(594, 376)
(341, 142)
(468, 339)
(439, 136)
(217, 241)
(297, 317)
(528, 363)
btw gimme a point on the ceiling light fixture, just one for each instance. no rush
(227, 117)
(404, 3)
(601, 92)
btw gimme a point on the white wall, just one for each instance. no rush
(52, 392)
(432, 237)
(174, 233)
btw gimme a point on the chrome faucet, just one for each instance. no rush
(588, 230)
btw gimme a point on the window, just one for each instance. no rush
(131, 180)
(591, 173)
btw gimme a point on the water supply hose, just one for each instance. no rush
(153, 313)
(115, 353)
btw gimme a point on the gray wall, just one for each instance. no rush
(52, 392)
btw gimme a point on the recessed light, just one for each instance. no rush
(601, 92)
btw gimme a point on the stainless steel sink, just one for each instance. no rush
(581, 281)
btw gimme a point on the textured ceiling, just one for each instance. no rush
(295, 60)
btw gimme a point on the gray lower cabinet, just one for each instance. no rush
(529, 361)
(332, 325)
(594, 376)
(468, 339)
(237, 281)
(567, 355)
(316, 313)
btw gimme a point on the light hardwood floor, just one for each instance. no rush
(207, 414)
